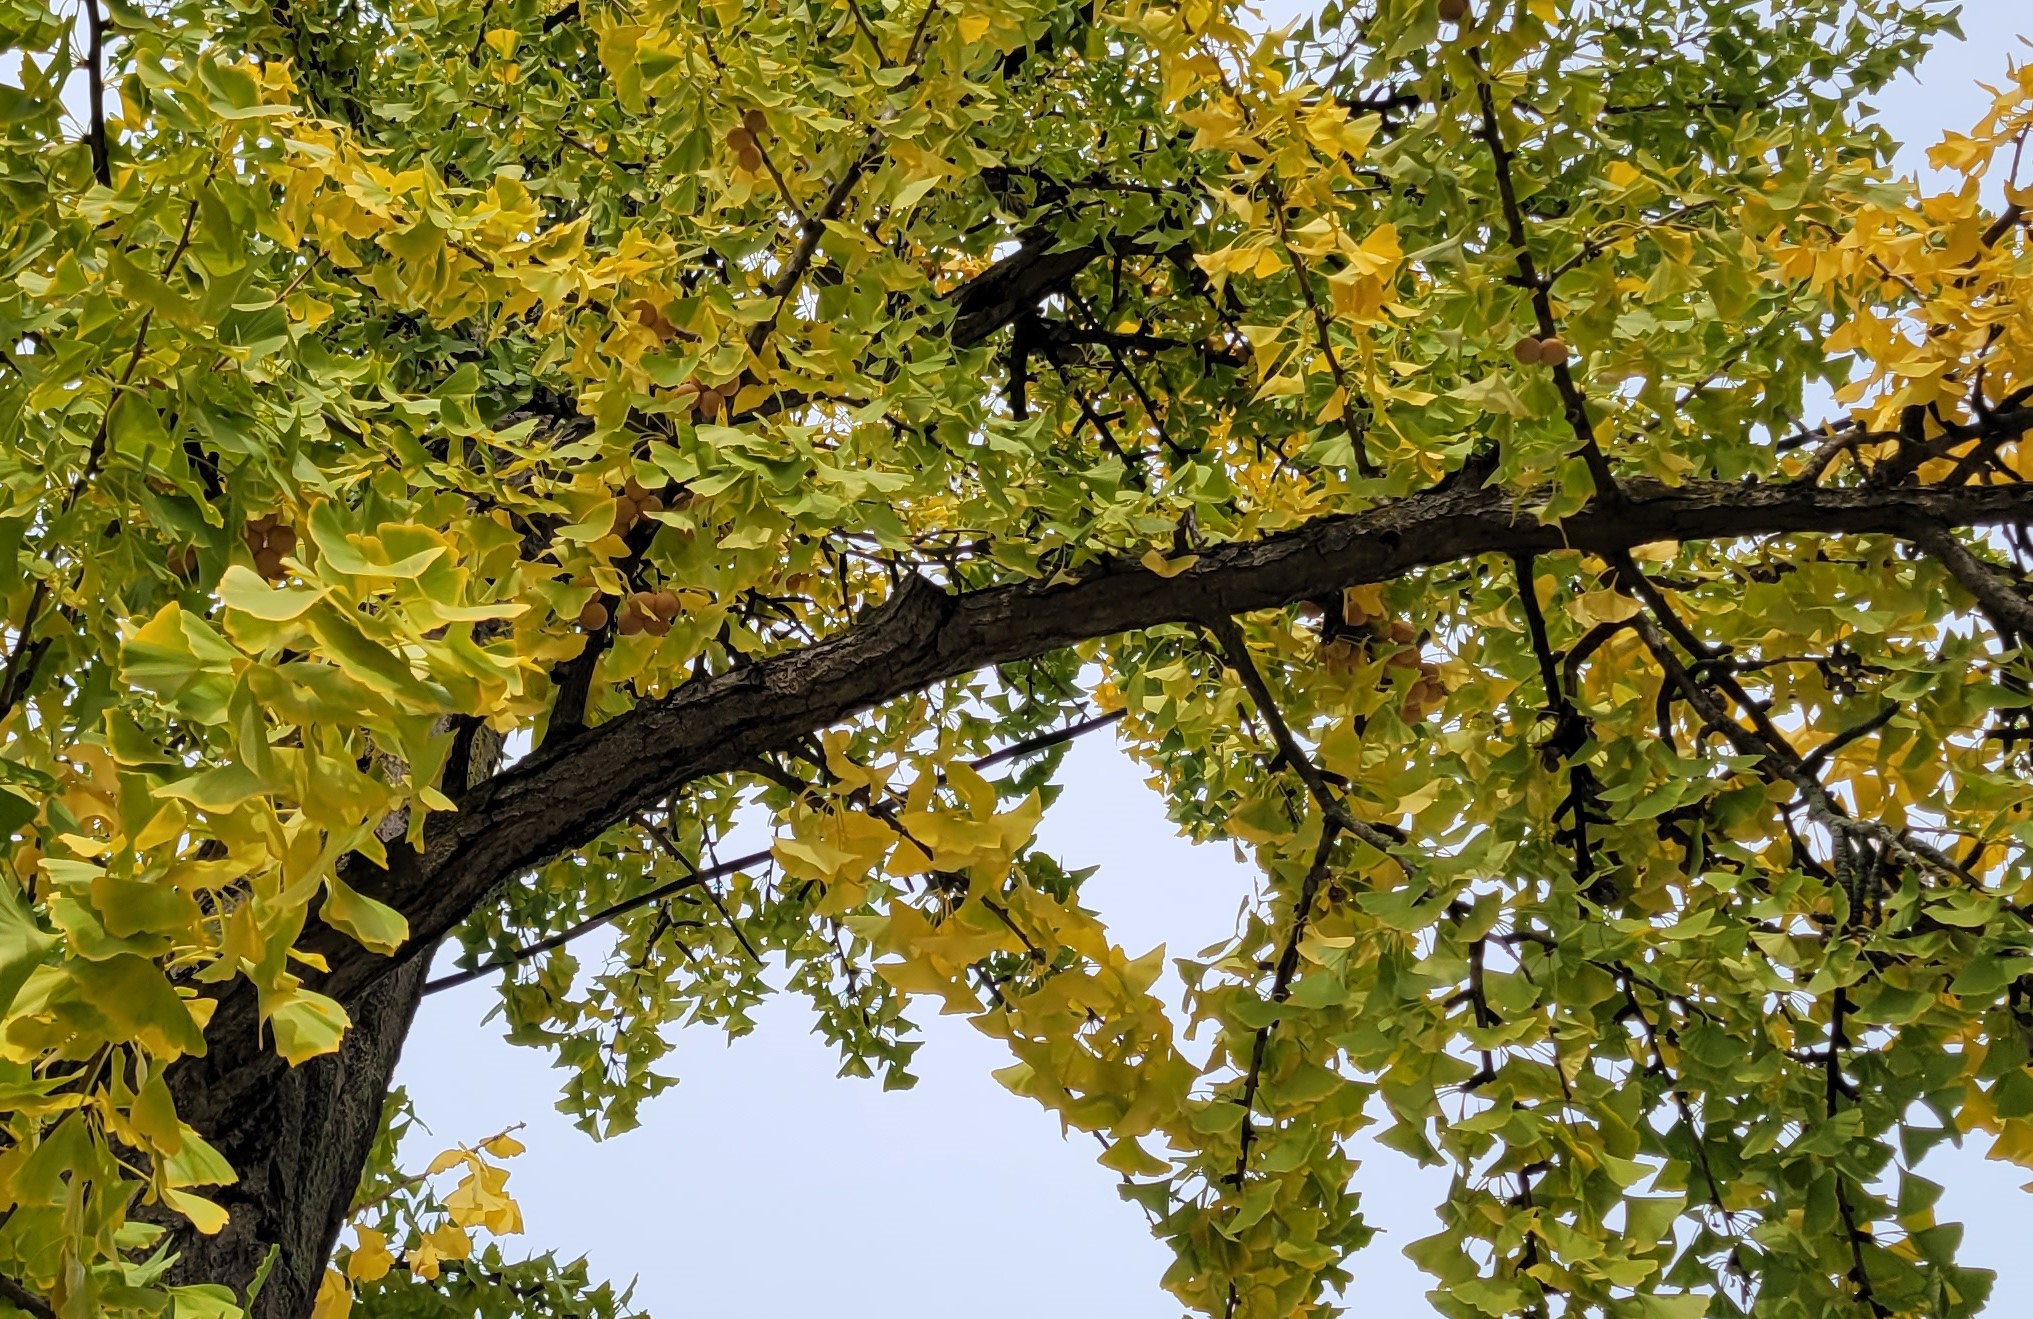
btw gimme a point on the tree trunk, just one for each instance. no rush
(298, 1137)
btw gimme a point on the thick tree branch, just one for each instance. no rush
(1015, 285)
(24, 1300)
(2009, 611)
(564, 797)
(567, 794)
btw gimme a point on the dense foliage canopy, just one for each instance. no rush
(1521, 470)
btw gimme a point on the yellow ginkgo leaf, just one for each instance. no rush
(1157, 562)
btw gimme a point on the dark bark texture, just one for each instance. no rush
(299, 1136)
(299, 1140)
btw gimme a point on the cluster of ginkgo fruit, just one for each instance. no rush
(652, 318)
(708, 400)
(640, 611)
(637, 501)
(745, 141)
(1362, 633)
(268, 538)
(1550, 351)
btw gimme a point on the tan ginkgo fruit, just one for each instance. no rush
(268, 539)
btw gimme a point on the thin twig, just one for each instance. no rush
(1236, 650)
(1044, 741)
(1281, 989)
(1601, 243)
(1820, 755)
(596, 920)
(670, 849)
(697, 876)
(1542, 299)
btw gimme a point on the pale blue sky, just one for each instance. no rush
(764, 1185)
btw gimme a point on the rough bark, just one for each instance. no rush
(299, 1140)
(1015, 285)
(300, 1136)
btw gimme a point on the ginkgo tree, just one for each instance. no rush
(1523, 472)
